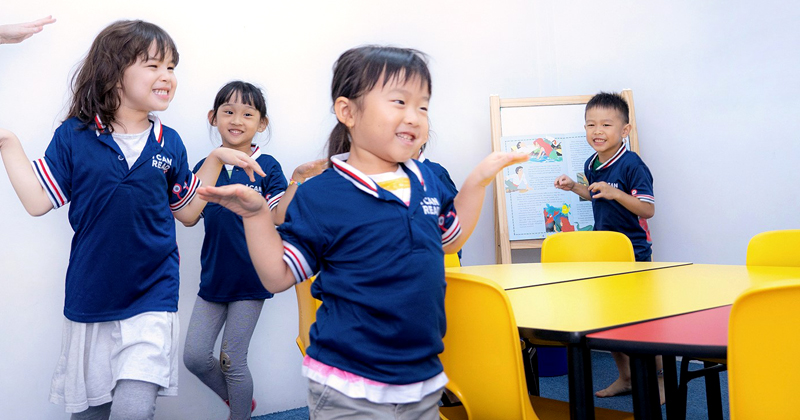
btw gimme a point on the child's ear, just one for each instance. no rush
(263, 124)
(345, 111)
(212, 118)
(626, 130)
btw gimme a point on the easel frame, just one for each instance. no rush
(503, 245)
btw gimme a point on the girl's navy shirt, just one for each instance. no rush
(381, 270)
(124, 255)
(228, 274)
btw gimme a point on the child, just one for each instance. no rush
(621, 191)
(120, 335)
(375, 227)
(230, 291)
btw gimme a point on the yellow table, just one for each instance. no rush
(515, 276)
(565, 311)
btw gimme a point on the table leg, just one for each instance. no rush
(644, 381)
(671, 388)
(581, 395)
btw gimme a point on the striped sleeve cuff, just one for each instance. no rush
(273, 201)
(296, 262)
(48, 181)
(188, 195)
(453, 233)
(646, 198)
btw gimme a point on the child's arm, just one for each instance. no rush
(208, 174)
(23, 179)
(567, 184)
(263, 241)
(634, 205)
(469, 200)
(299, 176)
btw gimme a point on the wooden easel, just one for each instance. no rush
(548, 105)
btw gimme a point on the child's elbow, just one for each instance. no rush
(649, 212)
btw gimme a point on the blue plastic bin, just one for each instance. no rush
(552, 361)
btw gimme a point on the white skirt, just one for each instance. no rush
(95, 356)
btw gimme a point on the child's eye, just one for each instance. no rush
(424, 108)
(227, 112)
(399, 101)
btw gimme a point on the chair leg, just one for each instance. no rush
(670, 385)
(531, 368)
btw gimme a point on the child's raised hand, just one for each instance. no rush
(564, 183)
(488, 168)
(603, 190)
(238, 198)
(229, 156)
(309, 169)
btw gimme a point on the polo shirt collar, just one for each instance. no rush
(623, 148)
(255, 151)
(363, 182)
(158, 130)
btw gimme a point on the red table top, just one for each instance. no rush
(698, 334)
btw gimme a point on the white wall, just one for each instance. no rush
(716, 103)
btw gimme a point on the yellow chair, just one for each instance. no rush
(775, 248)
(587, 246)
(763, 344)
(451, 260)
(307, 313)
(482, 358)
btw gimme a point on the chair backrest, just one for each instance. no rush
(307, 313)
(775, 248)
(763, 344)
(482, 354)
(587, 246)
(451, 260)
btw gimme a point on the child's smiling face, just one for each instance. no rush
(605, 130)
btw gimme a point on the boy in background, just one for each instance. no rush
(621, 190)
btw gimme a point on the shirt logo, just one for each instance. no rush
(255, 187)
(162, 162)
(430, 205)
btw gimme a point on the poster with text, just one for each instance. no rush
(535, 207)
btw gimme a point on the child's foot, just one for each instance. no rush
(619, 387)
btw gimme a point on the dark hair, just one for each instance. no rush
(95, 84)
(612, 100)
(517, 169)
(358, 70)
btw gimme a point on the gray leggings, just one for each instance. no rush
(131, 400)
(227, 375)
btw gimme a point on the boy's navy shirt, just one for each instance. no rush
(124, 255)
(381, 270)
(227, 273)
(627, 172)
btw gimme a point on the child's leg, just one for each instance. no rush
(239, 325)
(198, 353)
(325, 403)
(623, 383)
(134, 400)
(99, 412)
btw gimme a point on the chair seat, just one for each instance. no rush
(546, 409)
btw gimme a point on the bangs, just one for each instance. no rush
(395, 65)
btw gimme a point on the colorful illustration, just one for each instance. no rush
(517, 182)
(580, 178)
(557, 220)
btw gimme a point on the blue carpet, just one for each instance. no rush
(604, 371)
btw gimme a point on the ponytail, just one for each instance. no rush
(339, 140)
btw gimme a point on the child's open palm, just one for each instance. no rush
(494, 163)
(244, 201)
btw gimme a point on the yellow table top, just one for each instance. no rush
(567, 311)
(513, 276)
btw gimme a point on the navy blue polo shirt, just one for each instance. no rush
(124, 255)
(228, 274)
(381, 268)
(627, 172)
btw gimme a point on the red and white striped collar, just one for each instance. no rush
(255, 151)
(622, 149)
(158, 130)
(364, 182)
